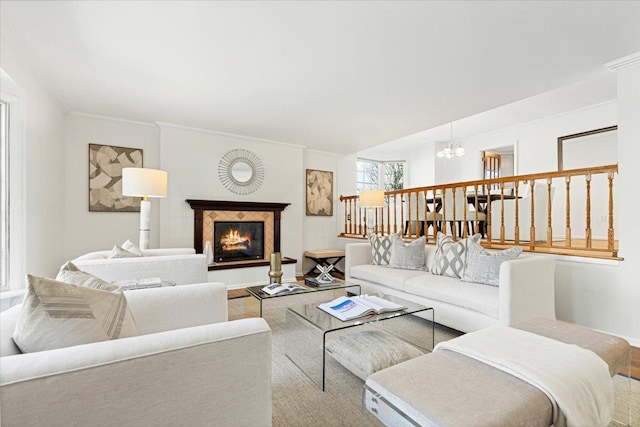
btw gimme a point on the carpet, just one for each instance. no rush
(297, 401)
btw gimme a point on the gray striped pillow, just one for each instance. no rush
(56, 314)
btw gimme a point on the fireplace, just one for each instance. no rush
(238, 240)
(209, 221)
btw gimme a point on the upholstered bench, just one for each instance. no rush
(448, 388)
(325, 258)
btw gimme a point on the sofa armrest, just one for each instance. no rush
(182, 269)
(527, 290)
(194, 376)
(356, 254)
(168, 251)
(175, 307)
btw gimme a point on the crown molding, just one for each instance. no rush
(624, 62)
(113, 119)
(232, 135)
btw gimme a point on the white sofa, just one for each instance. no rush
(179, 265)
(189, 366)
(525, 291)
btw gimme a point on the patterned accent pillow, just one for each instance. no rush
(450, 258)
(55, 314)
(409, 256)
(381, 248)
(484, 267)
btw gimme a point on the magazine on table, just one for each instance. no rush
(278, 288)
(347, 308)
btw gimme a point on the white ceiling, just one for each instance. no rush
(333, 76)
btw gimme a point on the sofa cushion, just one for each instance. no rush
(381, 248)
(483, 299)
(55, 314)
(391, 277)
(451, 256)
(408, 256)
(483, 266)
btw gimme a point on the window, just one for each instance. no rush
(4, 194)
(374, 175)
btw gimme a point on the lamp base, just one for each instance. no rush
(145, 220)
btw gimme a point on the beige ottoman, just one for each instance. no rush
(449, 389)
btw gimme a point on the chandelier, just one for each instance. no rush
(451, 150)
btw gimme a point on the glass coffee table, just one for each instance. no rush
(253, 305)
(307, 327)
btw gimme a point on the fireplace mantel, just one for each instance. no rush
(202, 206)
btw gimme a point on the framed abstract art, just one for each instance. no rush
(105, 178)
(319, 189)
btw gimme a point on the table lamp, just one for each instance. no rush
(371, 199)
(145, 183)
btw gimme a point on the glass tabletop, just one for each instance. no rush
(256, 291)
(326, 322)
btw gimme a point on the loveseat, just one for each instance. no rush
(188, 366)
(525, 291)
(179, 265)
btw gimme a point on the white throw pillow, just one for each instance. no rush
(381, 248)
(484, 267)
(409, 256)
(129, 246)
(118, 252)
(55, 314)
(450, 258)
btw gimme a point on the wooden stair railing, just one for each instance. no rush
(413, 212)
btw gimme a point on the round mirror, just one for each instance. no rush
(241, 171)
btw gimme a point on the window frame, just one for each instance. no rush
(381, 182)
(5, 192)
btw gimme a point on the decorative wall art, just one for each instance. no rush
(105, 178)
(319, 193)
(241, 171)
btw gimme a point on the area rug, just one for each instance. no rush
(298, 401)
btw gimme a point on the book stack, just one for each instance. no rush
(312, 281)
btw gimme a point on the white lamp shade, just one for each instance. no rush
(142, 182)
(371, 199)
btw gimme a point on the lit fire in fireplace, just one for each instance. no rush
(232, 240)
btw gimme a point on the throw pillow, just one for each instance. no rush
(381, 248)
(119, 252)
(366, 352)
(56, 314)
(450, 258)
(408, 256)
(129, 246)
(484, 267)
(69, 273)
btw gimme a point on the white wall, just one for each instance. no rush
(41, 130)
(93, 231)
(191, 158)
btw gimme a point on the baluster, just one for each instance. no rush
(346, 215)
(434, 207)
(610, 241)
(549, 228)
(532, 229)
(517, 218)
(476, 227)
(567, 231)
(501, 211)
(588, 218)
(389, 214)
(395, 212)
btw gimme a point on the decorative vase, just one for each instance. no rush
(275, 270)
(208, 252)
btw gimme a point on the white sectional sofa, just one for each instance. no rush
(179, 265)
(525, 291)
(189, 366)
